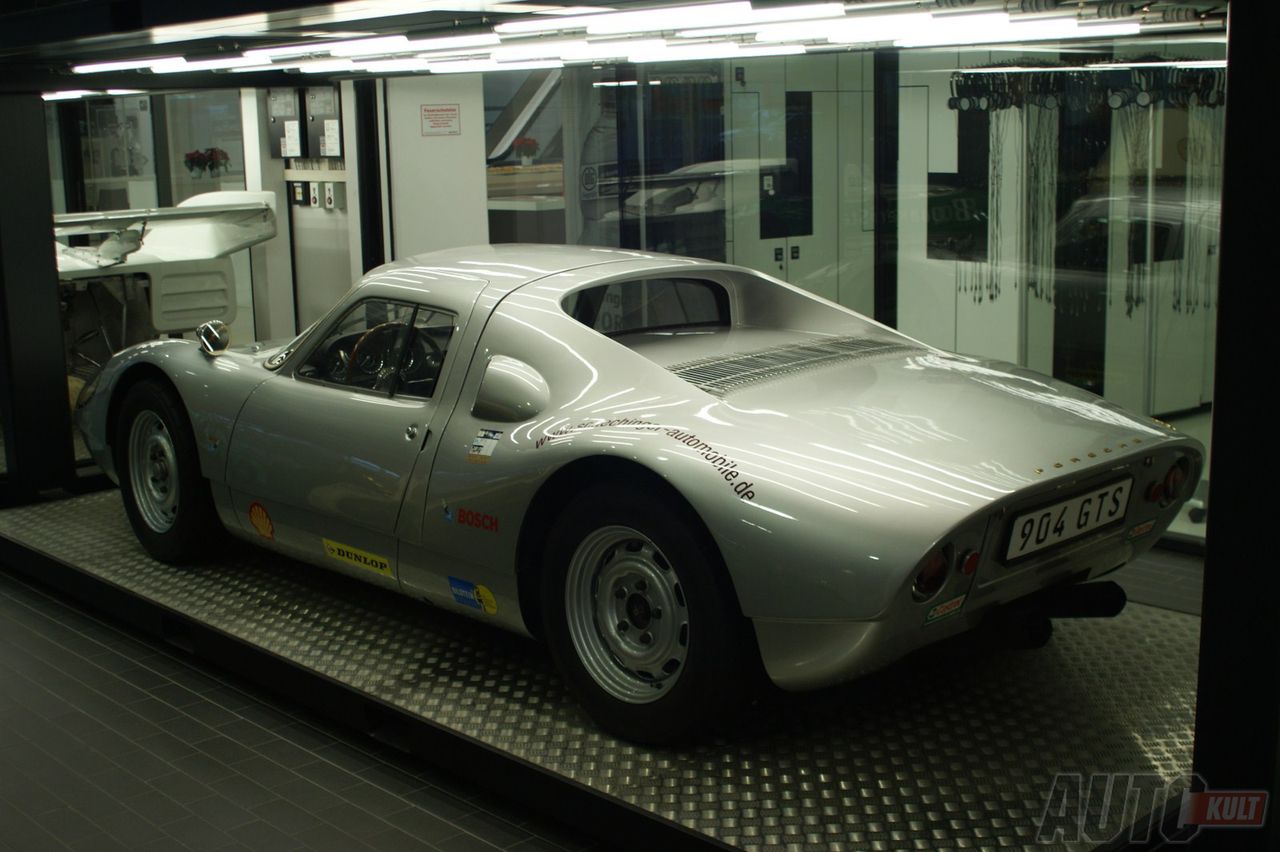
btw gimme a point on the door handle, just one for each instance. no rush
(411, 431)
(795, 252)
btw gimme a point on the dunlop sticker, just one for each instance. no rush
(357, 557)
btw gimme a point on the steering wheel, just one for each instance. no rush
(423, 360)
(372, 360)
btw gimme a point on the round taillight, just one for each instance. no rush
(969, 565)
(933, 573)
(1174, 481)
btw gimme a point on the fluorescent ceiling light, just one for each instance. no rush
(428, 45)
(599, 22)
(535, 48)
(125, 92)
(179, 65)
(996, 27)
(574, 49)
(125, 65)
(1173, 63)
(371, 46)
(954, 29)
(721, 50)
(566, 10)
(770, 50)
(472, 65)
(333, 48)
(667, 18)
(801, 17)
(855, 29)
(307, 66)
(391, 66)
(562, 21)
(321, 66)
(68, 95)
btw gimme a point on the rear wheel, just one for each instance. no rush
(166, 498)
(641, 617)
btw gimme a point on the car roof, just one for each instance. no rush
(508, 266)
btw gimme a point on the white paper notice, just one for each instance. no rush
(330, 143)
(441, 120)
(291, 144)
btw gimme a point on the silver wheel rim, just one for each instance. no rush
(627, 614)
(153, 471)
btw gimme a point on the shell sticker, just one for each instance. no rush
(260, 518)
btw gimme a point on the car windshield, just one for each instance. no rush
(274, 362)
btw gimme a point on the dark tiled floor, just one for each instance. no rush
(1164, 578)
(109, 741)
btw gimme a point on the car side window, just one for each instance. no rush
(649, 304)
(363, 349)
(424, 355)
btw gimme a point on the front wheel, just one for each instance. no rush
(166, 498)
(641, 617)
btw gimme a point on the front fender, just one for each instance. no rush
(212, 389)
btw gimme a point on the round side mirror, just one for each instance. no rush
(214, 337)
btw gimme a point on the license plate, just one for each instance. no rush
(1050, 525)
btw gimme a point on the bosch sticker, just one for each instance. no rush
(473, 595)
(483, 445)
(357, 557)
(471, 518)
(261, 521)
(942, 610)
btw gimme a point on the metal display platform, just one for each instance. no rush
(951, 749)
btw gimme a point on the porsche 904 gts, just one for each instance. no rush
(677, 473)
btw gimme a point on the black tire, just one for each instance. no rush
(720, 660)
(180, 530)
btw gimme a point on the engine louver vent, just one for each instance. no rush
(721, 374)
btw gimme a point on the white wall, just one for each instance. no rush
(272, 261)
(439, 194)
(926, 288)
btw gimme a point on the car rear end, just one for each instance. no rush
(1019, 558)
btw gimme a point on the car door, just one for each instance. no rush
(322, 453)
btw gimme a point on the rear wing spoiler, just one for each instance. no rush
(211, 225)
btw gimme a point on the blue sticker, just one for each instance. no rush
(473, 595)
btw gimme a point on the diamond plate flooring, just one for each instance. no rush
(955, 749)
(113, 741)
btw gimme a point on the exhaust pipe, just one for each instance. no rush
(1085, 600)
(1028, 623)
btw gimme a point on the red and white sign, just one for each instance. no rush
(441, 120)
(1224, 808)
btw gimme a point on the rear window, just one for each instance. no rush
(649, 304)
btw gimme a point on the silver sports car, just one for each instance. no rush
(677, 473)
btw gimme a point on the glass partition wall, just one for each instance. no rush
(134, 152)
(1054, 208)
